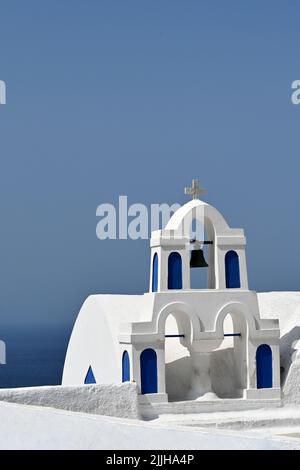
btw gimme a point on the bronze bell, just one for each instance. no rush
(197, 259)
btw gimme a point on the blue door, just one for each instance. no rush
(264, 373)
(90, 378)
(155, 273)
(149, 371)
(125, 367)
(174, 271)
(232, 269)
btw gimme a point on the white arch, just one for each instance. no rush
(238, 308)
(178, 307)
(196, 209)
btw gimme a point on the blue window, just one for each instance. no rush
(148, 371)
(125, 367)
(155, 273)
(264, 373)
(232, 268)
(174, 271)
(90, 378)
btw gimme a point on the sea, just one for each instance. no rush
(34, 356)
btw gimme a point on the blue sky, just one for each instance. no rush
(138, 97)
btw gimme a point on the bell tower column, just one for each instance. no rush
(162, 247)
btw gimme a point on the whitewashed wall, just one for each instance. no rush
(108, 400)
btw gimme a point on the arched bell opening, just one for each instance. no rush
(202, 267)
(229, 361)
(178, 367)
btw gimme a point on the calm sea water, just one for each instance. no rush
(34, 356)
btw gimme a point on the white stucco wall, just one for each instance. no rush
(291, 388)
(108, 400)
(94, 340)
(286, 307)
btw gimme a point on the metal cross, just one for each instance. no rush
(195, 190)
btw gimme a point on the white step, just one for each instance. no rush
(154, 410)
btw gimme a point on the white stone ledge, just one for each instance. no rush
(108, 400)
(149, 398)
(263, 393)
(154, 410)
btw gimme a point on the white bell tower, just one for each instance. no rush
(171, 249)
